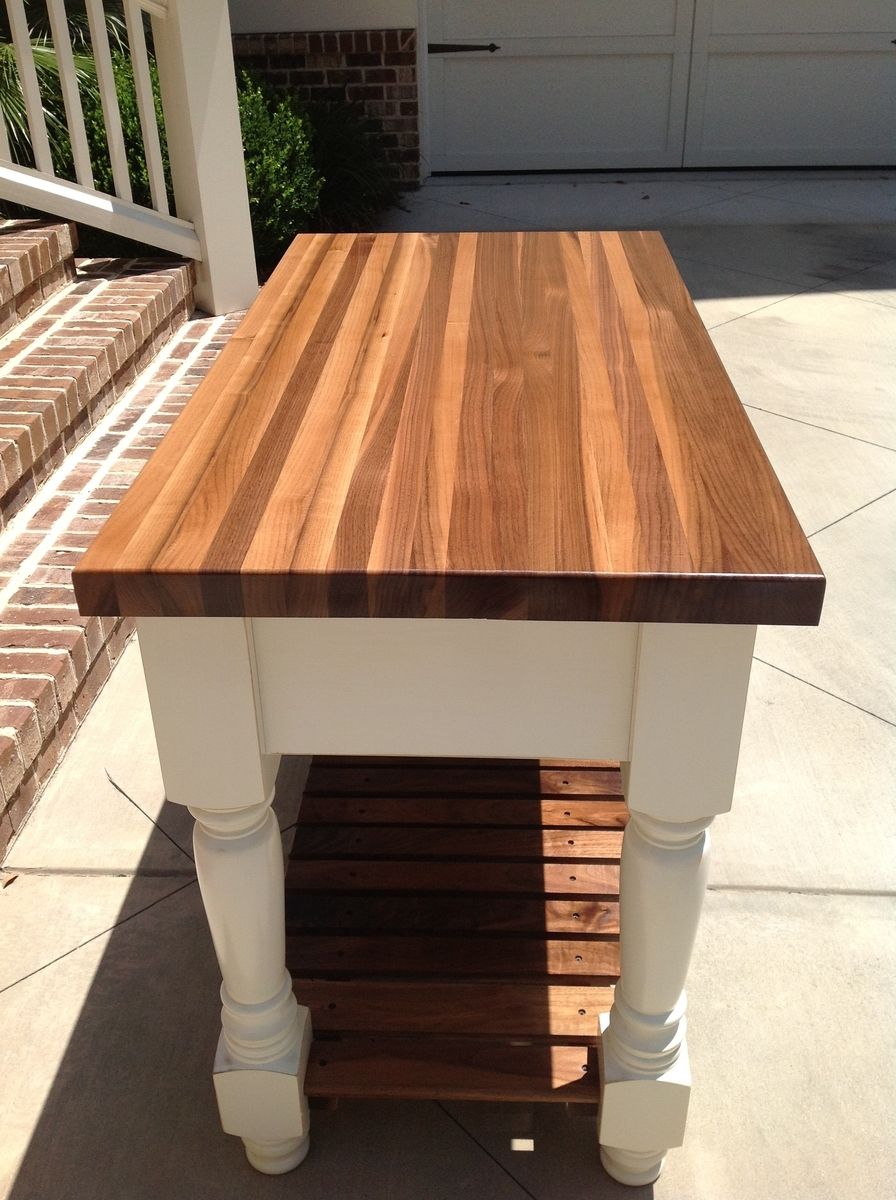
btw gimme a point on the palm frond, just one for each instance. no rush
(78, 25)
(12, 105)
(13, 108)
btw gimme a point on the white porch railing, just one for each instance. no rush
(193, 56)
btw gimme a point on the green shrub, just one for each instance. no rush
(308, 166)
(284, 183)
(357, 181)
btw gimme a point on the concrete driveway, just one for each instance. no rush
(108, 991)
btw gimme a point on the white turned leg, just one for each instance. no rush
(690, 692)
(646, 1079)
(265, 1036)
(200, 678)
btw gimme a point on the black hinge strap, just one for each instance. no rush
(458, 47)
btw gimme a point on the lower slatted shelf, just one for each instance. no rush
(453, 926)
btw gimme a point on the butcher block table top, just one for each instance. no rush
(508, 425)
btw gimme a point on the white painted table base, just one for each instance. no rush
(230, 695)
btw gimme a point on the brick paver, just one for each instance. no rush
(61, 368)
(36, 258)
(53, 661)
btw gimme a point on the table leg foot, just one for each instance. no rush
(263, 1103)
(633, 1167)
(265, 1039)
(645, 1075)
(276, 1158)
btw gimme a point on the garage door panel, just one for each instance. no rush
(606, 107)
(791, 83)
(562, 18)
(784, 112)
(803, 16)
(574, 84)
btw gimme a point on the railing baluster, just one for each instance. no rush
(34, 105)
(109, 97)
(146, 106)
(74, 114)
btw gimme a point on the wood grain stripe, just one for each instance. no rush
(272, 490)
(431, 537)
(392, 542)
(646, 433)
(359, 518)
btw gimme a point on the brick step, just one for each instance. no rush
(37, 258)
(54, 662)
(63, 365)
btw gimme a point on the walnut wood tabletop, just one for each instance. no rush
(509, 425)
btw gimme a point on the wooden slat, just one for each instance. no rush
(394, 841)
(413, 1069)
(533, 879)
(461, 781)
(499, 425)
(573, 812)
(471, 957)
(449, 914)
(481, 1009)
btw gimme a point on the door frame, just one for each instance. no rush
(423, 88)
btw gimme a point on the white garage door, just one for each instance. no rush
(571, 83)
(531, 85)
(792, 83)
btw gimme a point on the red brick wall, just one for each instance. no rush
(375, 68)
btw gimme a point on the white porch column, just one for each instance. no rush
(690, 692)
(200, 678)
(198, 87)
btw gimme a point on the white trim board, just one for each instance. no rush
(504, 689)
(312, 16)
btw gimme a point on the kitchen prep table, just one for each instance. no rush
(460, 497)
